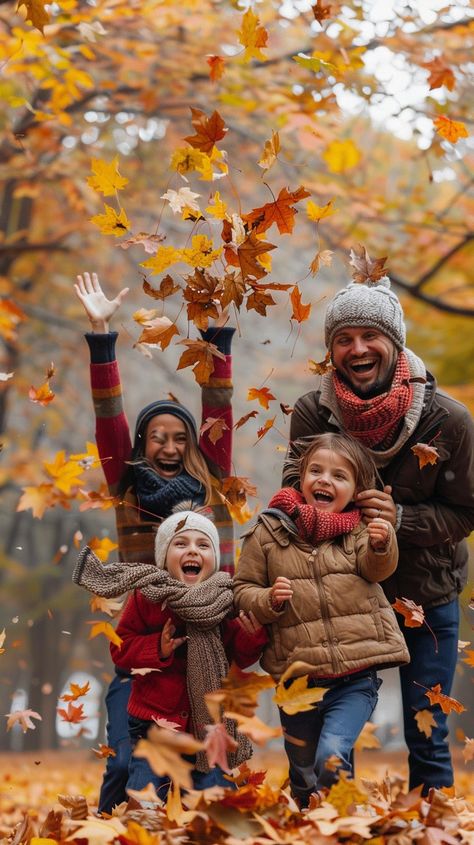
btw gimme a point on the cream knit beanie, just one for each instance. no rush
(371, 305)
(184, 521)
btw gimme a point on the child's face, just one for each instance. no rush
(328, 482)
(190, 557)
(165, 444)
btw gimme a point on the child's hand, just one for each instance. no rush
(98, 308)
(168, 644)
(249, 622)
(378, 532)
(281, 591)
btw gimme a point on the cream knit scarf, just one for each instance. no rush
(202, 607)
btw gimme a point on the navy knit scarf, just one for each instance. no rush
(158, 496)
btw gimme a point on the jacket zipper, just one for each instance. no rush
(324, 610)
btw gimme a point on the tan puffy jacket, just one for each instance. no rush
(338, 620)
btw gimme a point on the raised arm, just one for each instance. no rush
(217, 402)
(112, 431)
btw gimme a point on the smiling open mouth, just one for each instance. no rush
(362, 366)
(168, 466)
(191, 568)
(326, 498)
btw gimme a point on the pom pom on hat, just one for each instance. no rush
(177, 523)
(369, 304)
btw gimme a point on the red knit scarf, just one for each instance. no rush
(375, 421)
(313, 524)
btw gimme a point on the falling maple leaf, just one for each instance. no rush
(319, 212)
(102, 547)
(147, 241)
(253, 37)
(76, 692)
(106, 178)
(200, 354)
(413, 614)
(38, 499)
(164, 257)
(366, 269)
(281, 212)
(446, 703)
(468, 750)
(167, 288)
(109, 606)
(104, 751)
(264, 429)
(240, 422)
(440, 74)
(425, 722)
(470, 657)
(157, 331)
(236, 488)
(65, 472)
(270, 152)
(320, 368)
(253, 727)
(262, 394)
(321, 11)
(451, 130)
(246, 256)
(181, 199)
(215, 427)
(22, 718)
(238, 694)
(341, 155)
(97, 499)
(217, 67)
(425, 453)
(209, 130)
(217, 744)
(300, 312)
(106, 629)
(163, 750)
(42, 395)
(35, 13)
(73, 714)
(298, 697)
(88, 459)
(367, 738)
(112, 222)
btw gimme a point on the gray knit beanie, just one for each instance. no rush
(179, 522)
(371, 305)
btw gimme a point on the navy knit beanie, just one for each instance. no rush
(154, 409)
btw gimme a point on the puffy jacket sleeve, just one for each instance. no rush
(111, 427)
(448, 515)
(241, 647)
(140, 649)
(251, 587)
(217, 402)
(372, 565)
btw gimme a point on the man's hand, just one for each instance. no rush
(249, 623)
(378, 532)
(281, 591)
(168, 643)
(98, 308)
(376, 504)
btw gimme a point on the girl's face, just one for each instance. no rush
(328, 482)
(165, 444)
(190, 557)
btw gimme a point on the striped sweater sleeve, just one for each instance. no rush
(112, 430)
(217, 403)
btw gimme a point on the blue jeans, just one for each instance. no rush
(429, 758)
(140, 772)
(116, 773)
(330, 728)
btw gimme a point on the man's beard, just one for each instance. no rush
(375, 390)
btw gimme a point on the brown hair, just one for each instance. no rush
(360, 459)
(195, 464)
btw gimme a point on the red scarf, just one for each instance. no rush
(313, 524)
(375, 421)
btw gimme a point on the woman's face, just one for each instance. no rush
(190, 557)
(165, 444)
(328, 482)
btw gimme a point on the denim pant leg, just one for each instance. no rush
(215, 777)
(429, 758)
(140, 773)
(330, 728)
(115, 778)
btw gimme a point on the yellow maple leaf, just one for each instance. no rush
(345, 794)
(88, 459)
(218, 208)
(164, 257)
(35, 12)
(341, 155)
(270, 152)
(451, 130)
(297, 698)
(367, 738)
(253, 36)
(109, 606)
(102, 547)
(105, 628)
(201, 253)
(38, 499)
(186, 159)
(318, 212)
(112, 222)
(425, 721)
(66, 473)
(106, 177)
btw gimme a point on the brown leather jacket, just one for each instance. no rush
(338, 620)
(437, 501)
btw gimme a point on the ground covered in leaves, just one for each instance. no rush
(51, 797)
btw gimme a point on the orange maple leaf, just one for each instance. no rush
(42, 395)
(366, 269)
(94, 499)
(104, 751)
(217, 67)
(412, 613)
(246, 256)
(265, 428)
(200, 354)
(245, 419)
(451, 130)
(76, 692)
(106, 629)
(158, 332)
(167, 288)
(72, 714)
(262, 394)
(425, 453)
(236, 489)
(300, 311)
(319, 368)
(321, 11)
(425, 722)
(470, 657)
(209, 130)
(440, 74)
(239, 693)
(280, 211)
(446, 703)
(38, 499)
(215, 427)
(35, 13)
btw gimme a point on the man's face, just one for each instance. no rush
(365, 357)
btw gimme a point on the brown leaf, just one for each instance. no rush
(245, 418)
(300, 312)
(446, 703)
(425, 721)
(440, 74)
(200, 354)
(426, 454)
(413, 614)
(144, 239)
(320, 368)
(280, 211)
(104, 751)
(215, 428)
(285, 409)
(321, 11)
(167, 288)
(246, 256)
(265, 428)
(322, 257)
(209, 130)
(366, 269)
